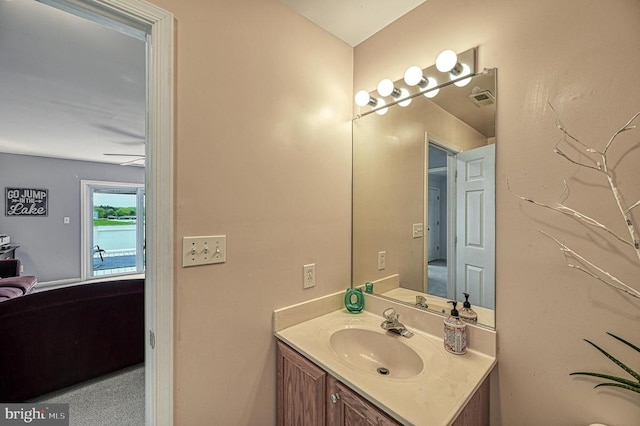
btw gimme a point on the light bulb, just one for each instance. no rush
(386, 88)
(431, 83)
(446, 60)
(382, 111)
(403, 94)
(413, 76)
(465, 71)
(363, 99)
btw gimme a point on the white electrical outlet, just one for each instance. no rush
(309, 275)
(382, 260)
(204, 250)
(418, 230)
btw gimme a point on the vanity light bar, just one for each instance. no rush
(449, 68)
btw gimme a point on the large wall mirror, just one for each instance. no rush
(424, 199)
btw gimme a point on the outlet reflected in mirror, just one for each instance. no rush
(437, 231)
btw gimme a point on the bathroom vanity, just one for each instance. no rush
(338, 368)
(309, 395)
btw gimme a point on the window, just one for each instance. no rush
(113, 229)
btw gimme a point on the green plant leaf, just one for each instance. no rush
(615, 361)
(621, 382)
(631, 345)
(626, 382)
(618, 385)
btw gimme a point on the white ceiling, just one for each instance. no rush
(353, 21)
(70, 88)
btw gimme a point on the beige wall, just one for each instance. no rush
(263, 156)
(263, 152)
(582, 56)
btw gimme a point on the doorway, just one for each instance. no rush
(433, 227)
(157, 27)
(441, 173)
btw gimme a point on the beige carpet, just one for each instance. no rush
(116, 399)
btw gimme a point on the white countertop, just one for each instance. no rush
(433, 397)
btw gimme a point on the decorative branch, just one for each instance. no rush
(623, 129)
(576, 162)
(560, 126)
(628, 220)
(574, 140)
(614, 282)
(578, 262)
(601, 166)
(561, 208)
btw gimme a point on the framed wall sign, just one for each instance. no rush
(27, 202)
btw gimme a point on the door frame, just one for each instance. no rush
(452, 150)
(157, 26)
(430, 223)
(159, 177)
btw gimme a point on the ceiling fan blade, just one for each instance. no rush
(113, 129)
(137, 162)
(125, 155)
(130, 143)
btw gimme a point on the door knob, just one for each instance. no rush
(335, 397)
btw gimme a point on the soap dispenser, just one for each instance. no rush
(466, 313)
(455, 332)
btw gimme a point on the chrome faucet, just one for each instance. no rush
(421, 302)
(392, 324)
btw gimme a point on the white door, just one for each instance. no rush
(433, 225)
(475, 248)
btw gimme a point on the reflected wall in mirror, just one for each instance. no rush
(416, 227)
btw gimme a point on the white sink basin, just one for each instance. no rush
(375, 352)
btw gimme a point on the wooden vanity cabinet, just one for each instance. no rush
(308, 396)
(345, 407)
(476, 412)
(301, 389)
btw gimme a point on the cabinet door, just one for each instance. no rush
(301, 389)
(476, 412)
(345, 407)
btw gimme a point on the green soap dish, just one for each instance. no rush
(354, 300)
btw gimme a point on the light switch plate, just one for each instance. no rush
(309, 275)
(382, 260)
(204, 250)
(418, 230)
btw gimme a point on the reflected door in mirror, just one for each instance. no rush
(475, 272)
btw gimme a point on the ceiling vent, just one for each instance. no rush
(482, 97)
